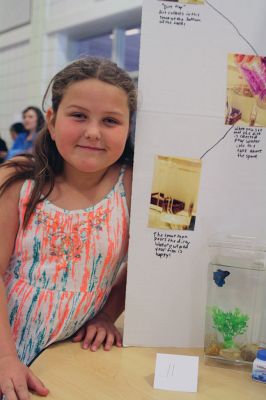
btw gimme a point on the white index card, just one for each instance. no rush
(174, 372)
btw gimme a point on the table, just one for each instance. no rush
(72, 373)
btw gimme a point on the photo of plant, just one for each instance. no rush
(246, 90)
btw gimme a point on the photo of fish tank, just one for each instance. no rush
(235, 326)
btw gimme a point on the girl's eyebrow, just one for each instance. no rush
(115, 112)
(85, 109)
(76, 106)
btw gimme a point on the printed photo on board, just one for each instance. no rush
(246, 90)
(174, 194)
(187, 1)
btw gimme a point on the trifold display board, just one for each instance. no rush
(200, 158)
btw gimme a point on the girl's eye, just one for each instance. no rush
(111, 121)
(79, 116)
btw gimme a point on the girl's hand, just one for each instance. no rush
(16, 380)
(97, 331)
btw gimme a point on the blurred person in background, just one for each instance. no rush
(3, 150)
(24, 135)
(19, 136)
(33, 121)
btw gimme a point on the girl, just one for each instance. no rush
(66, 224)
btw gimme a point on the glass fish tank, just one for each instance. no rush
(235, 326)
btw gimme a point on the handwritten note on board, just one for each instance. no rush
(167, 244)
(248, 142)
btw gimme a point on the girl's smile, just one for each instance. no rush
(90, 148)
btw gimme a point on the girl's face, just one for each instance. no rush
(30, 120)
(91, 125)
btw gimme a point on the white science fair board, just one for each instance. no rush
(200, 158)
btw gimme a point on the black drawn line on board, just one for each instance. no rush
(173, 369)
(234, 26)
(168, 371)
(222, 138)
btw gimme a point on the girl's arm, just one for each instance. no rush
(14, 376)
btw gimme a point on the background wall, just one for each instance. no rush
(14, 13)
(52, 30)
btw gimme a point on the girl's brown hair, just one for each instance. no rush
(46, 163)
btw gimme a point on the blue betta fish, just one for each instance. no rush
(219, 277)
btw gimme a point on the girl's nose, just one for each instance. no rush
(92, 131)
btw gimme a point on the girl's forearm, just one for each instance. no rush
(7, 344)
(115, 303)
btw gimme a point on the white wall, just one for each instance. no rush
(14, 13)
(14, 83)
(30, 55)
(91, 16)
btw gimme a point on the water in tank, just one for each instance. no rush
(235, 326)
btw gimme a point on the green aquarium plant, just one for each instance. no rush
(229, 324)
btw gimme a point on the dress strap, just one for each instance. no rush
(121, 175)
(122, 171)
(24, 197)
(26, 189)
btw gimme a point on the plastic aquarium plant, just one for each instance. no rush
(229, 324)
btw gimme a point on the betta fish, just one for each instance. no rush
(219, 277)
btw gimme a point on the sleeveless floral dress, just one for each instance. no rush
(63, 267)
